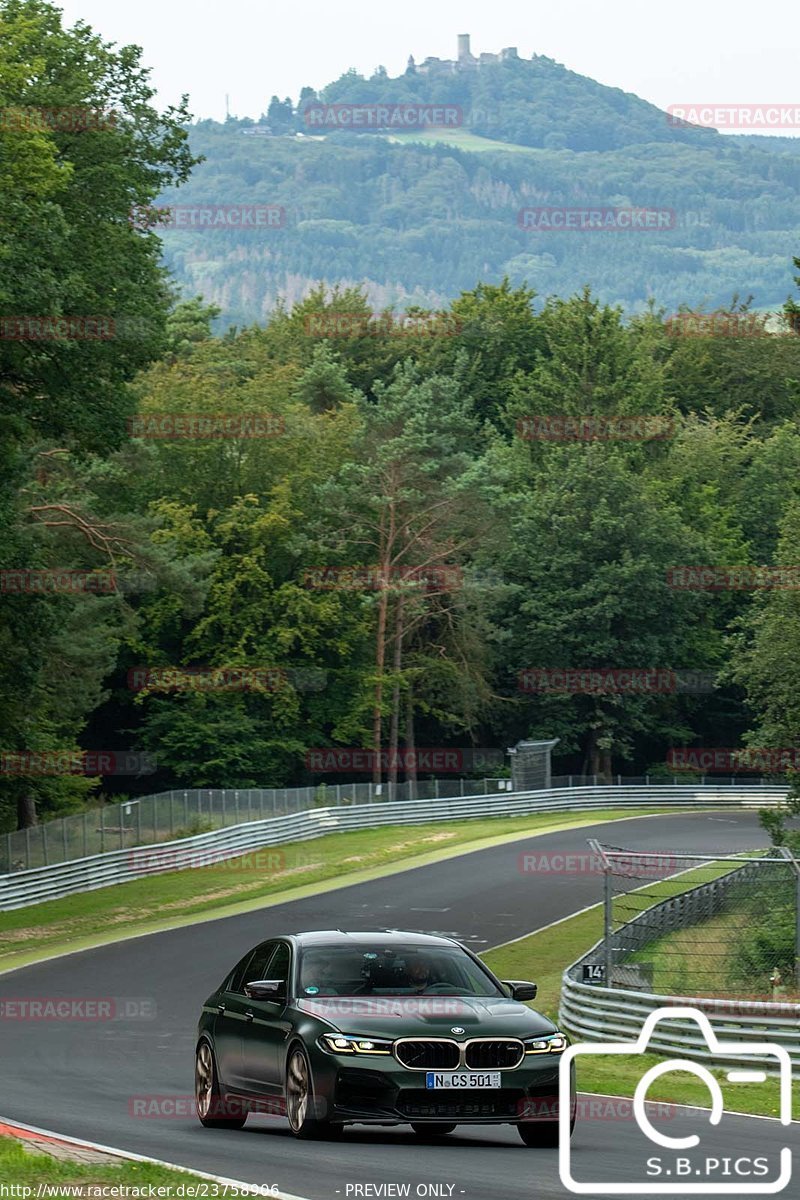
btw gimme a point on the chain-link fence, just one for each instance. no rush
(148, 820)
(690, 924)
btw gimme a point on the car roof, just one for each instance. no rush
(387, 937)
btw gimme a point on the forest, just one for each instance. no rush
(343, 526)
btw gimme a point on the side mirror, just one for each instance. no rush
(520, 989)
(265, 989)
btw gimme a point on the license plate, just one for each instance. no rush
(462, 1079)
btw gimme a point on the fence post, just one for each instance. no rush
(171, 813)
(8, 853)
(186, 810)
(102, 829)
(139, 823)
(43, 828)
(789, 856)
(85, 833)
(608, 909)
(27, 847)
(64, 834)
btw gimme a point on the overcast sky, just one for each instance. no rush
(709, 51)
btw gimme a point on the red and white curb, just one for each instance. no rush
(31, 1136)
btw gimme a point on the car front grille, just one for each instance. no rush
(427, 1054)
(497, 1054)
(474, 1105)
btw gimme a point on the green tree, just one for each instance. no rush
(68, 249)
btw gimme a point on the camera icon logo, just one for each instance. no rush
(678, 1172)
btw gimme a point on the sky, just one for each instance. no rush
(684, 51)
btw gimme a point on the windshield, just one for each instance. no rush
(378, 970)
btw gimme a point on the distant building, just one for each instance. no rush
(257, 131)
(466, 60)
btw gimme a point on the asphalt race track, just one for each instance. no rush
(80, 1078)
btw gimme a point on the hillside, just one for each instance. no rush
(418, 216)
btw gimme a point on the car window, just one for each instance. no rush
(258, 966)
(251, 967)
(278, 966)
(393, 970)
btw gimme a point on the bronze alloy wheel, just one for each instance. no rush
(212, 1112)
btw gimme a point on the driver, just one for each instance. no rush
(420, 973)
(322, 976)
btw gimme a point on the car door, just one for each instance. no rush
(232, 1004)
(266, 1029)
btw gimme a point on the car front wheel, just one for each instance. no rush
(301, 1103)
(543, 1133)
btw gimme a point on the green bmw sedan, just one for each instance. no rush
(333, 1029)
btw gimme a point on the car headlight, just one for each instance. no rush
(347, 1043)
(554, 1043)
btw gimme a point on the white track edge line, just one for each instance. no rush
(699, 1107)
(252, 1188)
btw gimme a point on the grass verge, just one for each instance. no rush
(25, 1169)
(543, 956)
(268, 876)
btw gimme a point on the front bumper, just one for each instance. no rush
(389, 1092)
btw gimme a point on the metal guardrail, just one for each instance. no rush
(593, 1012)
(183, 812)
(118, 866)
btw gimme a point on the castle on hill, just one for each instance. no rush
(466, 60)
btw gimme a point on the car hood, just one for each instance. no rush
(427, 1016)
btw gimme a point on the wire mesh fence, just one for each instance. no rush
(148, 820)
(691, 924)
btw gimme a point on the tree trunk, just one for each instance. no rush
(26, 812)
(394, 730)
(605, 766)
(380, 658)
(386, 545)
(411, 747)
(593, 753)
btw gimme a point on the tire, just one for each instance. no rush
(433, 1129)
(539, 1133)
(300, 1099)
(543, 1134)
(212, 1112)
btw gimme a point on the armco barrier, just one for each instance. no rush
(601, 1014)
(616, 1014)
(101, 870)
